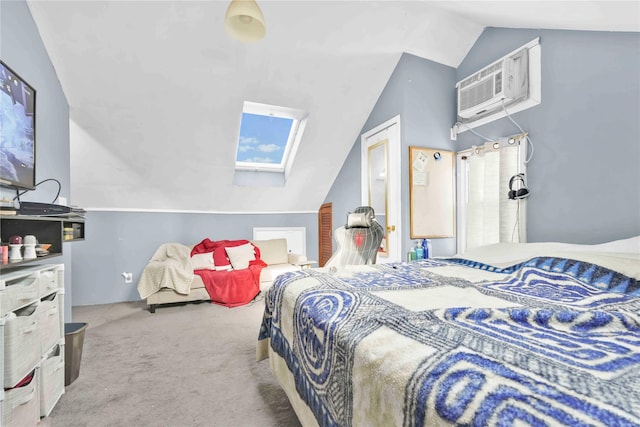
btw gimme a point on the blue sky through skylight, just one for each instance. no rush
(263, 138)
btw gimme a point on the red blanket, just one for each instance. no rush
(234, 287)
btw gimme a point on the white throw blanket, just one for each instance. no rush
(170, 267)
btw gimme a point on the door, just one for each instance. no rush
(381, 184)
(325, 224)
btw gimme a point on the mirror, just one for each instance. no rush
(377, 177)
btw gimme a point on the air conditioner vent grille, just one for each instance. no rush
(498, 85)
(481, 75)
(476, 95)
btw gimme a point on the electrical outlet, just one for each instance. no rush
(128, 277)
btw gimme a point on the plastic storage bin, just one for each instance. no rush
(21, 405)
(49, 322)
(22, 344)
(18, 291)
(51, 379)
(49, 282)
(73, 340)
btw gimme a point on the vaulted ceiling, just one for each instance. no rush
(156, 88)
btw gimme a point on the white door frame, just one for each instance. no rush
(389, 130)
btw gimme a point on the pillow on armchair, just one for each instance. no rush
(203, 261)
(240, 256)
(273, 251)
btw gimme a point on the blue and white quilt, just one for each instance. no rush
(549, 341)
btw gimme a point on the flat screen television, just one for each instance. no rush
(17, 131)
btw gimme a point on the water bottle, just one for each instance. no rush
(419, 251)
(425, 249)
(429, 249)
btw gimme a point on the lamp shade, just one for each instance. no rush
(244, 21)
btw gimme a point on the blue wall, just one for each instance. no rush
(584, 174)
(22, 49)
(423, 93)
(118, 242)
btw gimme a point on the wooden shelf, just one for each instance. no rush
(47, 229)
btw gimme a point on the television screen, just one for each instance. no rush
(17, 130)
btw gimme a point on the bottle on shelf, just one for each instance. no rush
(427, 248)
(67, 233)
(419, 251)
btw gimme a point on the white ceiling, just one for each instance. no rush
(156, 88)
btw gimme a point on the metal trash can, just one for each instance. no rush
(73, 341)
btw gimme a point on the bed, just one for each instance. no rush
(509, 334)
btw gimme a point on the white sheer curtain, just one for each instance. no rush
(491, 217)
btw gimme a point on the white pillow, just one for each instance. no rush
(203, 261)
(241, 255)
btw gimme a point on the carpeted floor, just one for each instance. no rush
(188, 365)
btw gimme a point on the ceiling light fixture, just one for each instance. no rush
(244, 21)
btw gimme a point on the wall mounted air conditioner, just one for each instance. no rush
(501, 82)
(512, 83)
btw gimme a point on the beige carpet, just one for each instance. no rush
(189, 365)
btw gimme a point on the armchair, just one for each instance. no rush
(358, 240)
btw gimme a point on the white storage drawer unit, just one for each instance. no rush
(31, 343)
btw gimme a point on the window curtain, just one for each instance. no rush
(491, 217)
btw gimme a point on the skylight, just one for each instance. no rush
(269, 137)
